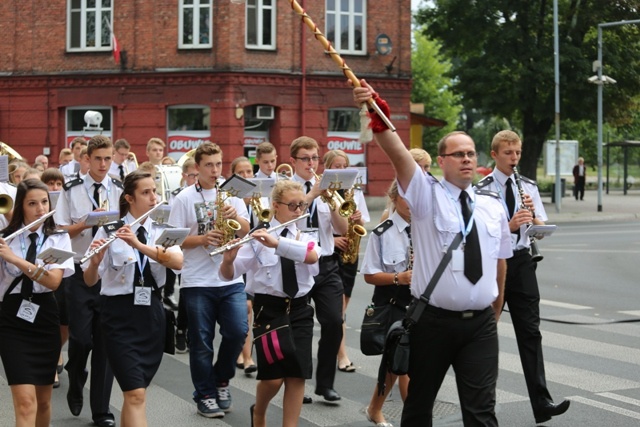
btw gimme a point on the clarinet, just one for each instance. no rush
(536, 256)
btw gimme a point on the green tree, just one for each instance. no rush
(502, 56)
(432, 87)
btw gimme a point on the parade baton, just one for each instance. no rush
(338, 59)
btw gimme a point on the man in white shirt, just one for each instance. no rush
(71, 169)
(458, 326)
(208, 299)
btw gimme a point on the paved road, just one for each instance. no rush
(586, 277)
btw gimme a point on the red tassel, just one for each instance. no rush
(377, 124)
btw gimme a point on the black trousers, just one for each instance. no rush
(442, 339)
(523, 299)
(579, 187)
(327, 298)
(85, 336)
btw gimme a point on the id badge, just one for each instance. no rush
(457, 260)
(28, 311)
(142, 295)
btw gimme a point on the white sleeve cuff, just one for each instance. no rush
(292, 249)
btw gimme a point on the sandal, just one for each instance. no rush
(378, 424)
(347, 368)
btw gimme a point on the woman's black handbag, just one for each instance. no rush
(274, 340)
(375, 324)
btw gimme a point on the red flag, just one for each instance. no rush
(116, 48)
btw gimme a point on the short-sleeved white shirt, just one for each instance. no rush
(19, 245)
(325, 229)
(436, 219)
(188, 211)
(76, 201)
(118, 267)
(387, 252)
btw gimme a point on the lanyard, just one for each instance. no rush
(39, 243)
(504, 201)
(456, 203)
(90, 194)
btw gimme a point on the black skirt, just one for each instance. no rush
(134, 338)
(267, 307)
(30, 350)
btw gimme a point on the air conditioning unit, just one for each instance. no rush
(264, 112)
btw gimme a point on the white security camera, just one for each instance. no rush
(93, 118)
(593, 79)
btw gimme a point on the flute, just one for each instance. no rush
(245, 239)
(27, 227)
(113, 237)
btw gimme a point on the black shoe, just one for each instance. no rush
(169, 303)
(74, 394)
(104, 421)
(550, 409)
(307, 400)
(329, 394)
(181, 342)
(250, 369)
(75, 403)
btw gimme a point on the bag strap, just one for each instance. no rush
(413, 315)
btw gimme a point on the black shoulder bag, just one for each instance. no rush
(395, 357)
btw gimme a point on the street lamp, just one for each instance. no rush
(601, 80)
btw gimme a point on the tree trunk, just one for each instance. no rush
(534, 134)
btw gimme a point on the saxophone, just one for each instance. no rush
(354, 232)
(227, 226)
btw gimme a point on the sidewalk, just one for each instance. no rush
(615, 207)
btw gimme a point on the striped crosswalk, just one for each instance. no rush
(596, 366)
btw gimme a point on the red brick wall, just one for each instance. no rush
(39, 79)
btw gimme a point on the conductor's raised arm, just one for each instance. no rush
(389, 141)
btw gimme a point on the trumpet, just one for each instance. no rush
(245, 239)
(283, 175)
(29, 226)
(334, 199)
(536, 256)
(262, 214)
(6, 204)
(113, 237)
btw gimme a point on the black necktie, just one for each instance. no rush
(96, 198)
(510, 198)
(410, 260)
(121, 172)
(149, 280)
(27, 284)
(312, 221)
(472, 254)
(511, 202)
(289, 278)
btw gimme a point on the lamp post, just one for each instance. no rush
(601, 80)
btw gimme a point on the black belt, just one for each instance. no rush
(276, 301)
(331, 257)
(467, 314)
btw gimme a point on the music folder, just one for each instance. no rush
(540, 231)
(338, 178)
(172, 236)
(101, 217)
(238, 186)
(55, 255)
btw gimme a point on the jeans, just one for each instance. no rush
(227, 306)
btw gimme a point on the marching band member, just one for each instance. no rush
(338, 159)
(387, 266)
(278, 287)
(29, 323)
(133, 273)
(209, 300)
(95, 191)
(327, 294)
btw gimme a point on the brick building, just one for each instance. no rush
(195, 70)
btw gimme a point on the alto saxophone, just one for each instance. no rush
(227, 226)
(354, 232)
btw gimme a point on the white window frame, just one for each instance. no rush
(101, 13)
(196, 6)
(260, 7)
(351, 14)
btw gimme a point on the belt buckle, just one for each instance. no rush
(467, 314)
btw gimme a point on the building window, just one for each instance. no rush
(88, 25)
(344, 120)
(346, 25)
(261, 24)
(195, 24)
(188, 117)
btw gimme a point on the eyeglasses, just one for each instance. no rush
(307, 159)
(461, 154)
(192, 175)
(293, 206)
